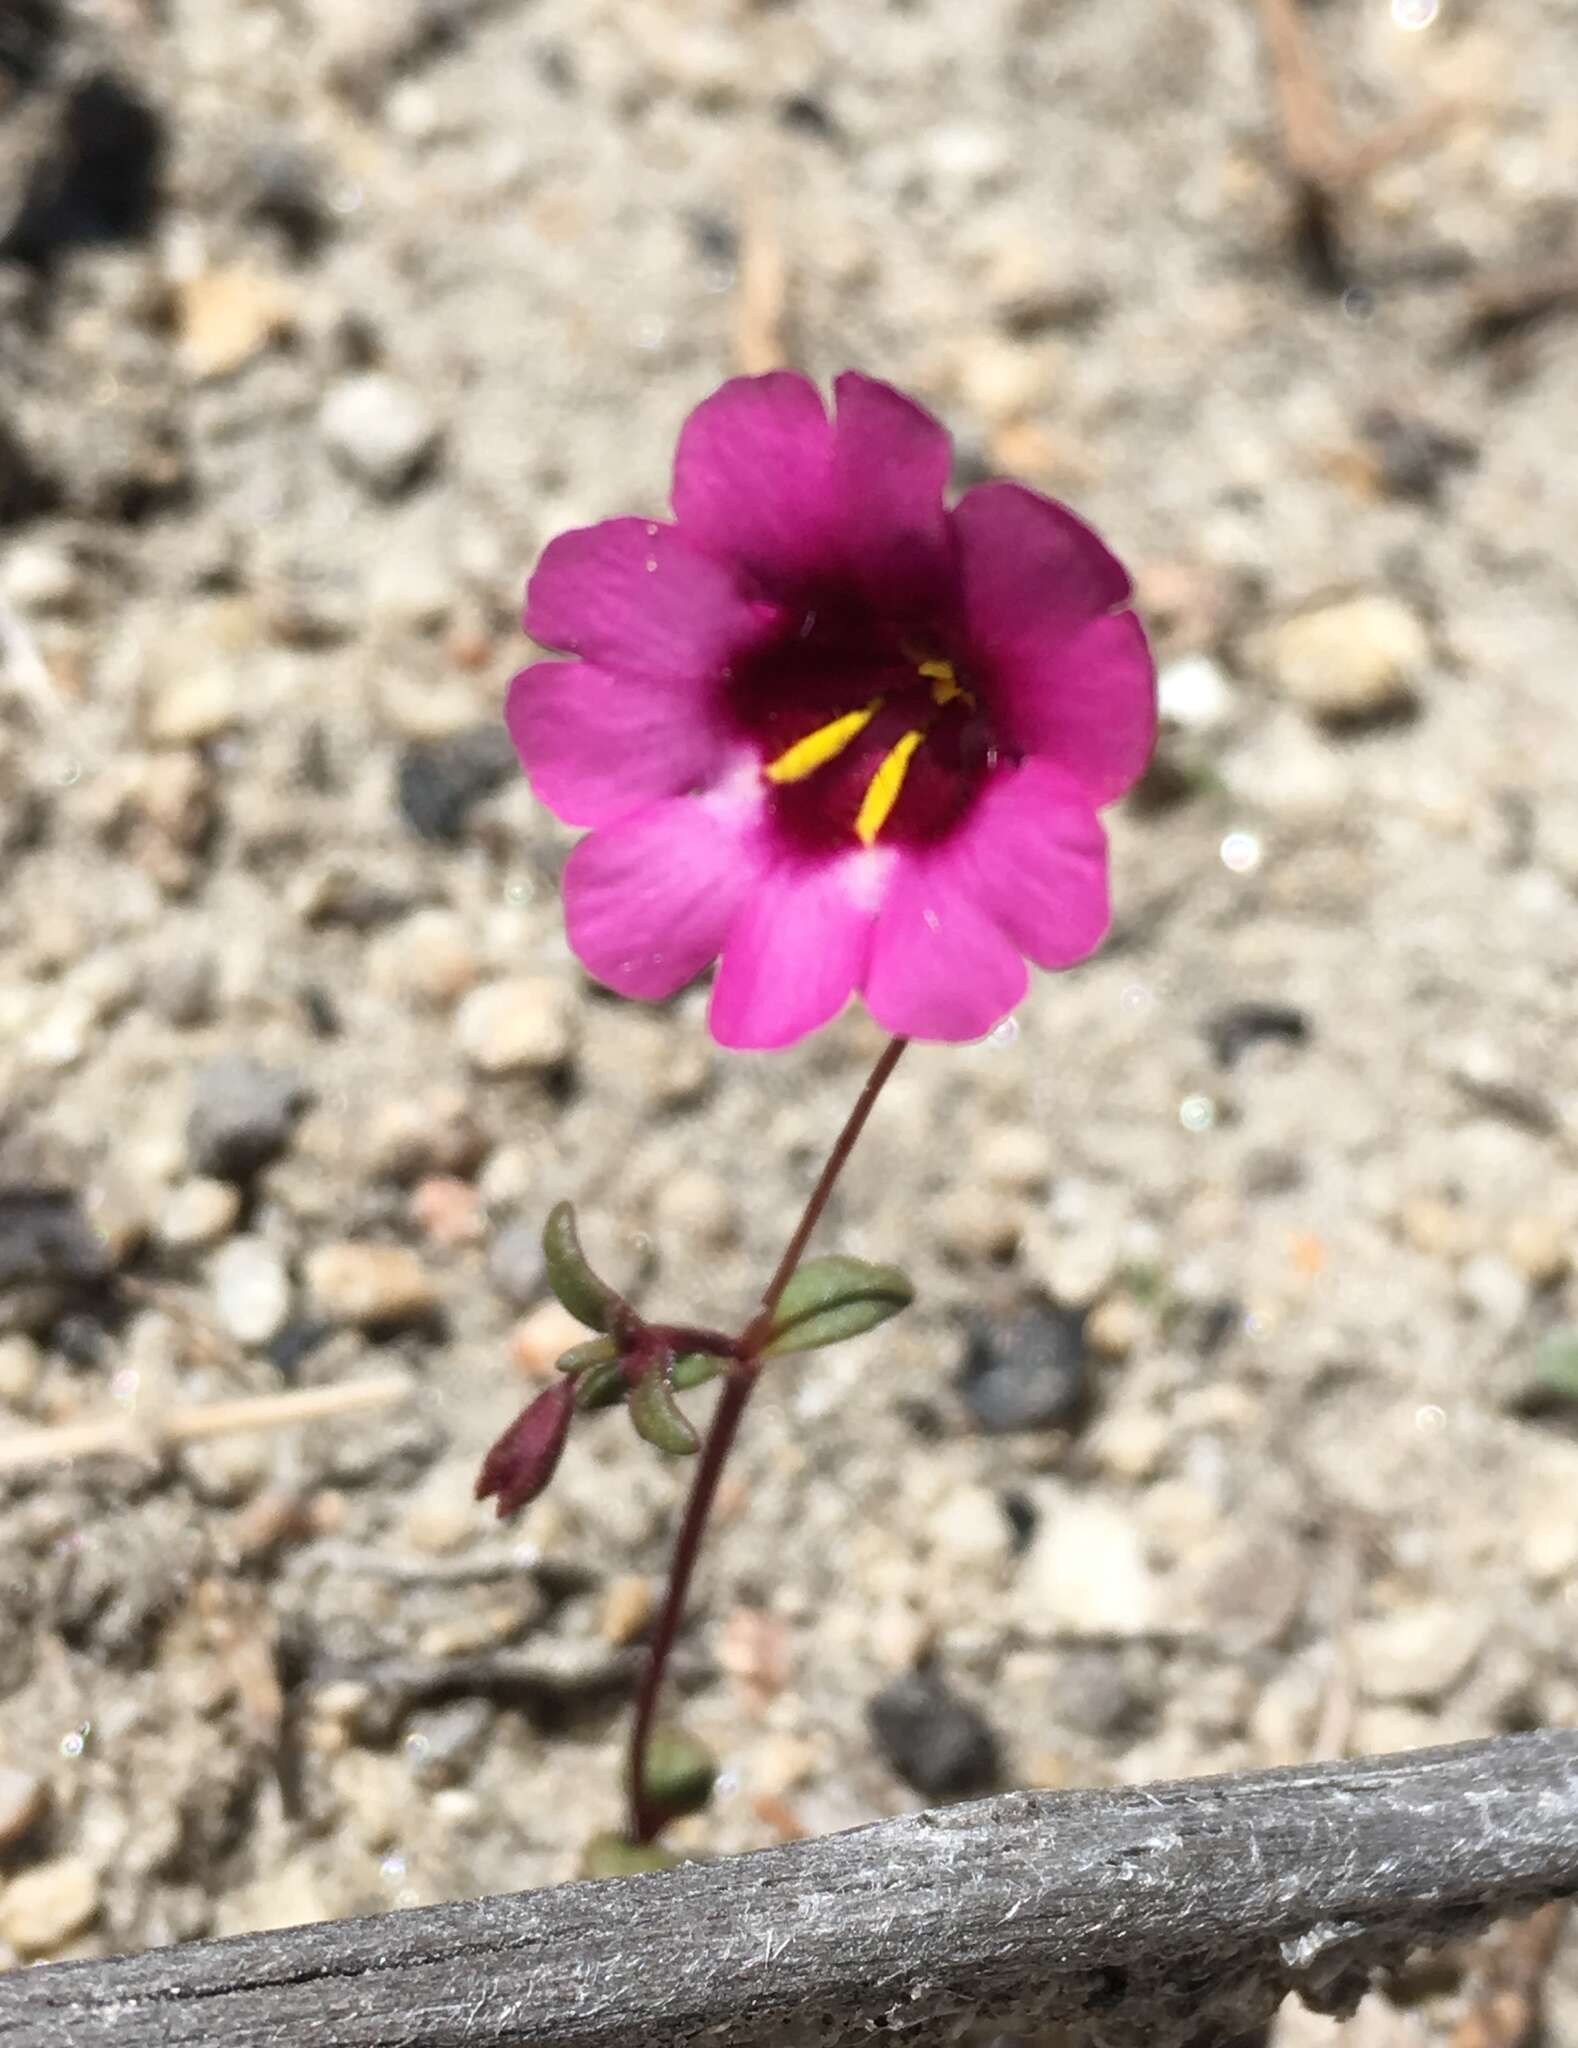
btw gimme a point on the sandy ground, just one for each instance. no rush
(316, 320)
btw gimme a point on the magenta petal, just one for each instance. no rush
(632, 597)
(1034, 856)
(647, 902)
(940, 966)
(597, 747)
(793, 957)
(890, 466)
(1028, 562)
(753, 480)
(1085, 700)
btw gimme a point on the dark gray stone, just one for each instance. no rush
(933, 1737)
(243, 1115)
(1027, 1371)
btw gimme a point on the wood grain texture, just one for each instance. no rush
(1141, 1916)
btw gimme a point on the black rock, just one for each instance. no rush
(935, 1739)
(440, 780)
(1235, 1027)
(30, 33)
(100, 179)
(46, 1239)
(1027, 1371)
(296, 1343)
(242, 1116)
(26, 490)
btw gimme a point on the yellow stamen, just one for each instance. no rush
(882, 792)
(821, 746)
(945, 685)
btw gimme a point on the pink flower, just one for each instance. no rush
(828, 732)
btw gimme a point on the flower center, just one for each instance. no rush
(826, 742)
(863, 735)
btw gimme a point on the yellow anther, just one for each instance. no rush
(882, 792)
(945, 685)
(795, 763)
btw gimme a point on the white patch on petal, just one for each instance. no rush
(865, 875)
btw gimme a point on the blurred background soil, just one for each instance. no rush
(1235, 1423)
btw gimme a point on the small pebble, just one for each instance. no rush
(538, 1340)
(251, 1289)
(937, 1741)
(521, 1026)
(1026, 1371)
(373, 1286)
(198, 1214)
(1094, 1693)
(225, 1471)
(971, 1531)
(1421, 1653)
(243, 1115)
(412, 1137)
(1541, 1247)
(1115, 1326)
(190, 710)
(627, 1608)
(1086, 1574)
(443, 1745)
(1193, 695)
(41, 1909)
(1495, 1290)
(380, 431)
(448, 1211)
(440, 781)
(515, 1265)
(21, 1363)
(427, 959)
(1350, 662)
(24, 1800)
(1015, 1157)
(37, 578)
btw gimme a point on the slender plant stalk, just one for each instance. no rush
(738, 1384)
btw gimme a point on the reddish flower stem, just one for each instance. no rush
(739, 1381)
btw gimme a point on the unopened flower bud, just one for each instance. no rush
(522, 1462)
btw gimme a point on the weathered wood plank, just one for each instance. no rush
(1141, 1915)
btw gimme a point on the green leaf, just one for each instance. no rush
(658, 1417)
(695, 1369)
(835, 1298)
(1556, 1365)
(595, 1351)
(613, 1856)
(678, 1773)
(587, 1298)
(600, 1386)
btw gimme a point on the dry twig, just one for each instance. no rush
(1324, 165)
(1158, 1915)
(136, 1436)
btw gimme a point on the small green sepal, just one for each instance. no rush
(613, 1856)
(695, 1369)
(600, 1386)
(658, 1416)
(832, 1299)
(680, 1773)
(587, 1298)
(595, 1351)
(1556, 1366)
